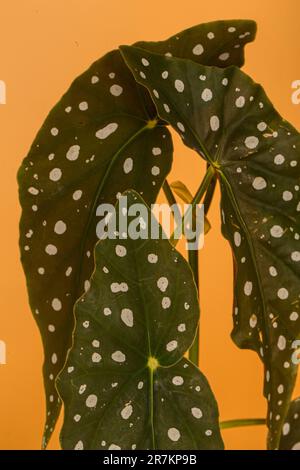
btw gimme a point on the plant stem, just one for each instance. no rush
(193, 255)
(236, 423)
(197, 198)
(209, 195)
(194, 349)
(172, 201)
(194, 263)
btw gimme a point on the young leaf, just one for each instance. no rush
(229, 121)
(184, 193)
(125, 384)
(102, 138)
(290, 439)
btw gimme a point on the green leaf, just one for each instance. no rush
(229, 120)
(290, 439)
(125, 383)
(184, 193)
(102, 138)
(219, 43)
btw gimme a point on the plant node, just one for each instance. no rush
(153, 363)
(152, 123)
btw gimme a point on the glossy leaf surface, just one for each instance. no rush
(125, 384)
(230, 122)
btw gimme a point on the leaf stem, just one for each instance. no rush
(194, 263)
(172, 202)
(207, 186)
(237, 423)
(209, 195)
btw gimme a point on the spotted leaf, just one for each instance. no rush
(290, 439)
(125, 384)
(230, 122)
(102, 138)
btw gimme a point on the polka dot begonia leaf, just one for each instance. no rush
(290, 439)
(102, 138)
(230, 122)
(125, 384)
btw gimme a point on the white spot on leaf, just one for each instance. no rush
(116, 90)
(73, 153)
(56, 304)
(214, 123)
(171, 345)
(127, 411)
(196, 412)
(162, 284)
(276, 231)
(91, 401)
(251, 142)
(177, 380)
(248, 288)
(259, 183)
(127, 317)
(55, 174)
(179, 85)
(51, 250)
(118, 356)
(207, 95)
(107, 131)
(173, 434)
(60, 227)
(198, 49)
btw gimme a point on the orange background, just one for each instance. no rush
(44, 44)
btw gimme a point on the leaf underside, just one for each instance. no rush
(142, 304)
(230, 122)
(290, 439)
(99, 140)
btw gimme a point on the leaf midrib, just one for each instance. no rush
(151, 378)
